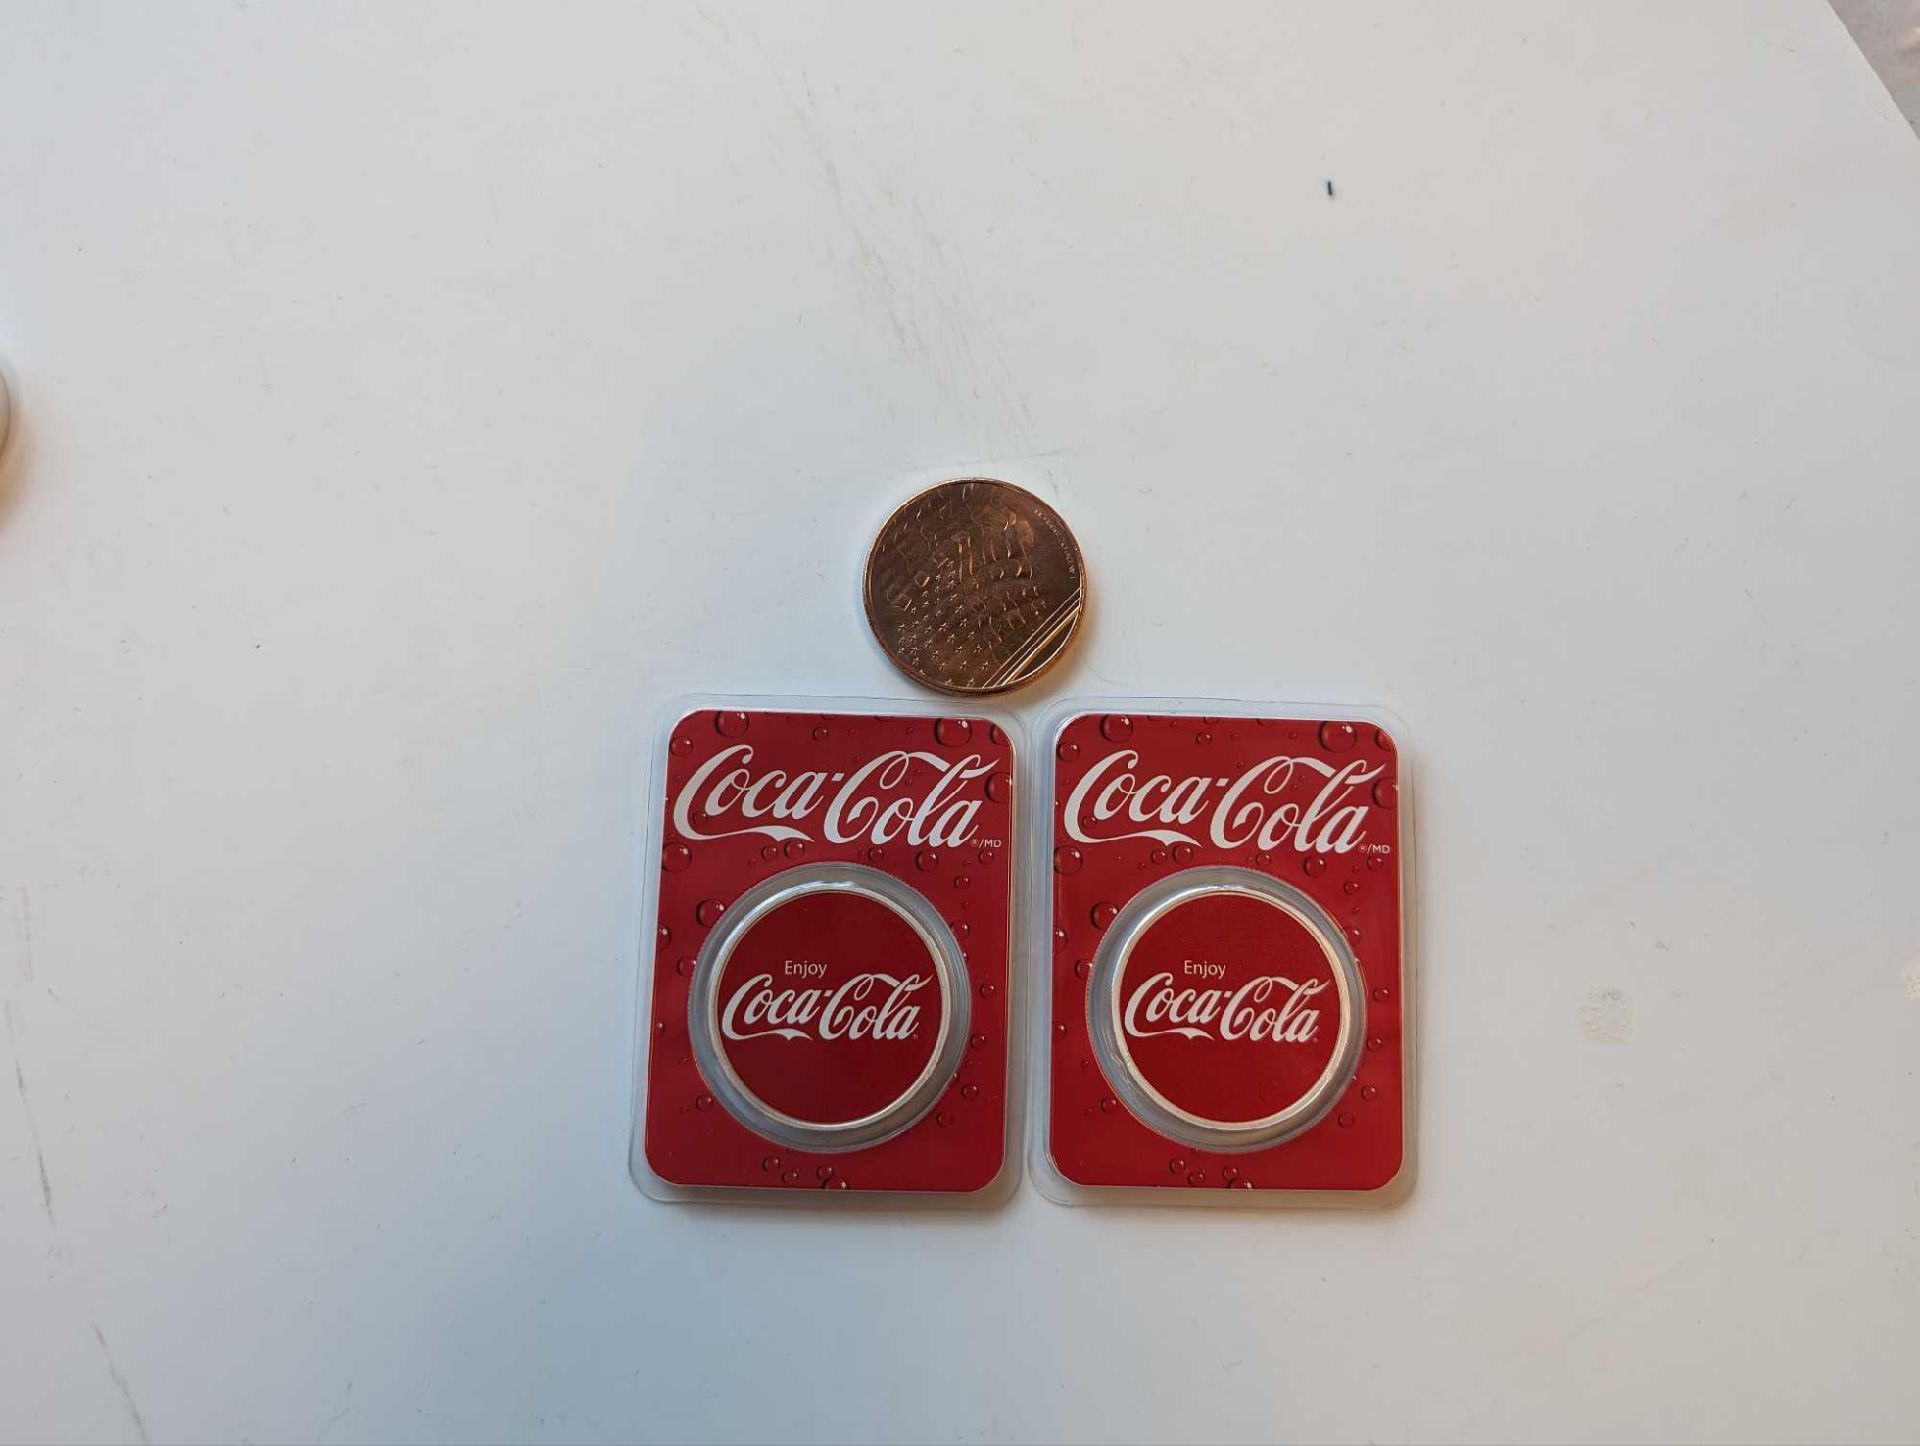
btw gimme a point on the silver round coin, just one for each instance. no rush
(1108, 1036)
(704, 1008)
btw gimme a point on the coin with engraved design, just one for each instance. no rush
(974, 586)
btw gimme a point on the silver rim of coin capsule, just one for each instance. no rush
(1108, 1038)
(703, 1007)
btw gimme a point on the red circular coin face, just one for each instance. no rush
(1228, 1009)
(829, 1009)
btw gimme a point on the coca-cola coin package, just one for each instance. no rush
(1222, 915)
(829, 912)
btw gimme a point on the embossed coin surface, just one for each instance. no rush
(974, 586)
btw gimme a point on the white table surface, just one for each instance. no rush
(410, 403)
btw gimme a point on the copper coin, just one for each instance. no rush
(974, 586)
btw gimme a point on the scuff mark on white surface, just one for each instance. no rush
(26, 1106)
(338, 1416)
(120, 1382)
(1607, 1015)
(1911, 977)
(23, 935)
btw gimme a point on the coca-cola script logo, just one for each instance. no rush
(1268, 1008)
(919, 797)
(863, 1006)
(1286, 801)
(829, 1008)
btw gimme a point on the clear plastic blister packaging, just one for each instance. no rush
(1220, 914)
(829, 906)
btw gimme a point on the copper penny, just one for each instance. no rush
(974, 586)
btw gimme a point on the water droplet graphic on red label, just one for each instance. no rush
(795, 849)
(952, 732)
(1116, 728)
(926, 861)
(1203, 739)
(820, 735)
(1386, 793)
(978, 1041)
(665, 933)
(1108, 1105)
(770, 1164)
(1345, 1122)
(679, 747)
(730, 725)
(675, 857)
(943, 1119)
(1068, 860)
(988, 989)
(1336, 737)
(1370, 1092)
(963, 881)
(703, 1102)
(1184, 853)
(824, 1172)
(1313, 866)
(969, 1091)
(1376, 862)
(1351, 886)
(999, 786)
(769, 851)
(792, 1177)
(707, 912)
(1176, 1166)
(875, 854)
(1067, 751)
(1381, 740)
(1382, 994)
(986, 857)
(1103, 915)
(1081, 968)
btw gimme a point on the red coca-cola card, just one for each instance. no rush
(829, 989)
(1228, 981)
